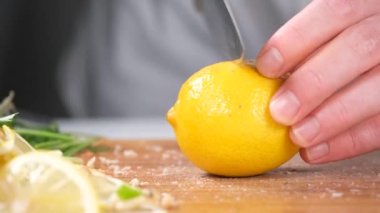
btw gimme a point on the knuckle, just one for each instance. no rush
(376, 123)
(364, 138)
(296, 32)
(342, 8)
(364, 40)
(372, 133)
(352, 143)
(342, 112)
(316, 80)
(309, 85)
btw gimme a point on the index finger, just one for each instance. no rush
(315, 25)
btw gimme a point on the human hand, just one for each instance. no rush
(332, 97)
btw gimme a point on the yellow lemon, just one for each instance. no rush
(222, 122)
(42, 182)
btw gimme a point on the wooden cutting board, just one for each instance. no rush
(346, 186)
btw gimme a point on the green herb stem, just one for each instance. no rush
(47, 144)
(61, 145)
(77, 148)
(43, 133)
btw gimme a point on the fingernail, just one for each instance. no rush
(306, 131)
(315, 152)
(284, 107)
(270, 62)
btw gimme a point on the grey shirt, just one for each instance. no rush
(129, 58)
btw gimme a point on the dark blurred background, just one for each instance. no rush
(33, 35)
(115, 58)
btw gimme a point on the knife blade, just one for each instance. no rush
(223, 28)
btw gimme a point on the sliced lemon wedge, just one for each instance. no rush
(42, 182)
(11, 145)
(7, 139)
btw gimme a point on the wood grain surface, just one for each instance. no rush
(346, 186)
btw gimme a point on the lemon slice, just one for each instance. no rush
(11, 145)
(41, 182)
(7, 140)
(107, 188)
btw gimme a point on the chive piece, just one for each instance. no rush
(125, 192)
(47, 144)
(43, 133)
(76, 148)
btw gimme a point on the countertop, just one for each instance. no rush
(345, 186)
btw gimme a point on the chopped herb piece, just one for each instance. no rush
(126, 192)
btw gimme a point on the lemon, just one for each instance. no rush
(40, 182)
(222, 123)
(11, 145)
(107, 187)
(7, 139)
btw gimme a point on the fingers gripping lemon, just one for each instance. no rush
(222, 122)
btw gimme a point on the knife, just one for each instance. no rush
(223, 27)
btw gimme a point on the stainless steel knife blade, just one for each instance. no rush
(223, 28)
